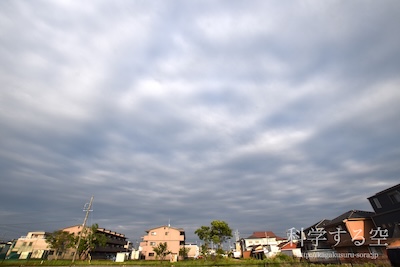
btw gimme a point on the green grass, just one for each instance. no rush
(279, 261)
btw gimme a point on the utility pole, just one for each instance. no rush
(83, 227)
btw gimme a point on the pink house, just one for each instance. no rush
(175, 238)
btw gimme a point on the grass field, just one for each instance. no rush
(277, 261)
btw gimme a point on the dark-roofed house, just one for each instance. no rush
(314, 244)
(386, 205)
(355, 238)
(261, 244)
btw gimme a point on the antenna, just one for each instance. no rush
(237, 235)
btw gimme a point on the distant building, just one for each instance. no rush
(193, 251)
(31, 246)
(174, 237)
(4, 247)
(260, 245)
(34, 245)
(290, 249)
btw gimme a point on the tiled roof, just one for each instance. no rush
(288, 246)
(265, 234)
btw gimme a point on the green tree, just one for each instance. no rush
(161, 250)
(204, 234)
(60, 241)
(218, 232)
(90, 239)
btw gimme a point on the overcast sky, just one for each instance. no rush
(265, 114)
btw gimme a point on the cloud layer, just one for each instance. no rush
(267, 115)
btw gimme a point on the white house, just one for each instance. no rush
(261, 242)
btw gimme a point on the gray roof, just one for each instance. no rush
(351, 214)
(386, 190)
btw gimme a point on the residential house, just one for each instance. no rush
(33, 245)
(386, 205)
(174, 237)
(193, 251)
(291, 248)
(393, 252)
(314, 245)
(260, 245)
(351, 235)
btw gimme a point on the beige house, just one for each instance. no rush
(33, 245)
(193, 251)
(174, 237)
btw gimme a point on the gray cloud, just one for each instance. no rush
(260, 114)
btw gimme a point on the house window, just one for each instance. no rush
(30, 244)
(394, 197)
(151, 254)
(377, 203)
(166, 233)
(153, 233)
(152, 243)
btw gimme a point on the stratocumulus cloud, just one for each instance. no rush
(262, 114)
